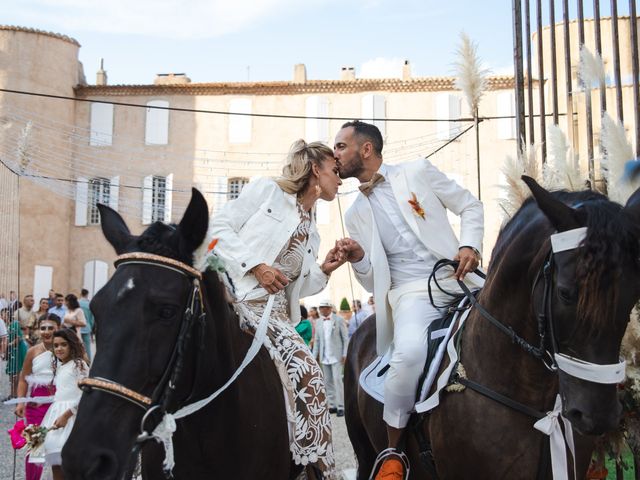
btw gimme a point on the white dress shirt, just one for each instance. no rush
(408, 258)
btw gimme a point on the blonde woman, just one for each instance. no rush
(268, 241)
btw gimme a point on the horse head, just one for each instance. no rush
(144, 352)
(584, 295)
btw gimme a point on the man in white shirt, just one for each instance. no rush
(330, 348)
(399, 228)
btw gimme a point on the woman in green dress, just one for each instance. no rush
(16, 350)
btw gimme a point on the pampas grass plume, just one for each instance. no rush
(617, 152)
(591, 69)
(470, 77)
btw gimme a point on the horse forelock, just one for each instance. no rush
(163, 239)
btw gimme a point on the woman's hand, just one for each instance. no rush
(333, 260)
(19, 411)
(270, 278)
(62, 420)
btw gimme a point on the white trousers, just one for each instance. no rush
(412, 314)
(333, 383)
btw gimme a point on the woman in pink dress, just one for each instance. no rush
(35, 386)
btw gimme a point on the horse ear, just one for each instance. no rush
(632, 208)
(195, 222)
(561, 216)
(115, 230)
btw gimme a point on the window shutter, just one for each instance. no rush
(506, 107)
(147, 199)
(447, 107)
(82, 201)
(101, 124)
(374, 111)
(42, 281)
(157, 125)
(220, 188)
(240, 125)
(101, 275)
(317, 129)
(168, 197)
(114, 190)
(89, 276)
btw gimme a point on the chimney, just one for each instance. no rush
(101, 76)
(171, 79)
(299, 73)
(406, 70)
(348, 73)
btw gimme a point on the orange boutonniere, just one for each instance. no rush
(212, 244)
(415, 205)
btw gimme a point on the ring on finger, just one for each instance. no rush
(268, 278)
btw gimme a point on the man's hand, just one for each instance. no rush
(350, 250)
(469, 261)
(333, 260)
(270, 278)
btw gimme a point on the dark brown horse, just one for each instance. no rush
(591, 291)
(154, 342)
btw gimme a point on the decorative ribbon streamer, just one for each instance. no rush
(163, 433)
(550, 425)
(592, 372)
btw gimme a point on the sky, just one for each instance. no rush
(261, 40)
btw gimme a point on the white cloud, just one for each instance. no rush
(381, 68)
(177, 19)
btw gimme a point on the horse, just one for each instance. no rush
(158, 351)
(575, 302)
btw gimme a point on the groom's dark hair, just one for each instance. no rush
(369, 131)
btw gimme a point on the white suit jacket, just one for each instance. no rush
(436, 194)
(253, 229)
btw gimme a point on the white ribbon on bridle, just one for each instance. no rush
(163, 433)
(551, 424)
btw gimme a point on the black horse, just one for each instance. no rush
(575, 302)
(155, 349)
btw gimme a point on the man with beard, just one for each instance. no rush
(399, 229)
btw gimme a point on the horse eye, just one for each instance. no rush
(568, 295)
(167, 312)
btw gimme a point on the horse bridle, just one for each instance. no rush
(164, 391)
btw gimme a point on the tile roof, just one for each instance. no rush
(420, 84)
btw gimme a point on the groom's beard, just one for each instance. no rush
(353, 169)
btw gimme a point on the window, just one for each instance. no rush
(101, 124)
(235, 187)
(317, 129)
(447, 108)
(90, 192)
(506, 108)
(374, 111)
(98, 193)
(157, 124)
(240, 125)
(157, 199)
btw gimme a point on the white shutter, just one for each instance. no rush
(114, 191)
(220, 187)
(168, 197)
(101, 275)
(505, 108)
(42, 281)
(101, 124)
(317, 129)
(374, 111)
(379, 114)
(240, 125)
(147, 198)
(447, 107)
(157, 125)
(82, 201)
(89, 276)
(322, 212)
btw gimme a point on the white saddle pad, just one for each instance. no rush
(373, 376)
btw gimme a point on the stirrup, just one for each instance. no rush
(388, 453)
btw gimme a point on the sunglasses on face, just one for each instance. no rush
(47, 327)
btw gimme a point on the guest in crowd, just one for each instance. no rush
(74, 317)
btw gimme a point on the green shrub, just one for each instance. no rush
(344, 305)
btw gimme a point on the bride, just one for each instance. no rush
(268, 242)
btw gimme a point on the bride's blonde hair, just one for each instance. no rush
(297, 170)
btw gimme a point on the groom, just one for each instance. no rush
(399, 229)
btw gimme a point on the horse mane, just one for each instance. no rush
(162, 239)
(610, 246)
